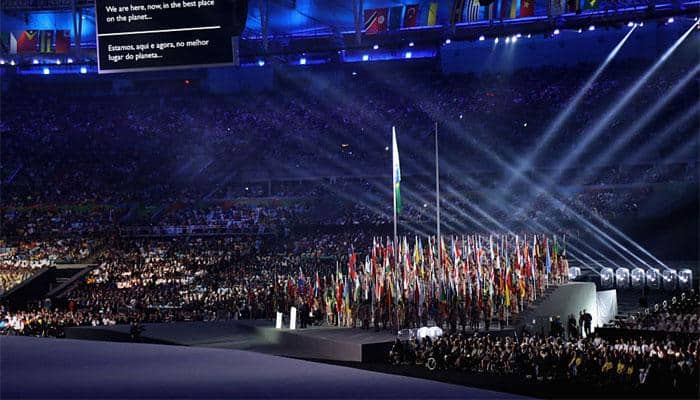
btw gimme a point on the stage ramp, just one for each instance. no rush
(321, 343)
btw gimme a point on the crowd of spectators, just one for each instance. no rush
(679, 314)
(616, 366)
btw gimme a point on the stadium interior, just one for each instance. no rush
(501, 198)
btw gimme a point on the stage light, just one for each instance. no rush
(70, 61)
(386, 148)
(448, 41)
(261, 63)
(630, 24)
(83, 70)
(12, 62)
(58, 62)
(410, 44)
(365, 57)
(556, 31)
(525, 125)
(515, 39)
(375, 47)
(354, 73)
(507, 39)
(408, 54)
(461, 116)
(670, 20)
(46, 71)
(495, 40)
(529, 36)
(2, 62)
(591, 28)
(35, 61)
(518, 35)
(580, 30)
(302, 61)
(482, 38)
(641, 24)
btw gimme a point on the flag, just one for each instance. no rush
(396, 168)
(27, 42)
(8, 43)
(590, 4)
(514, 8)
(473, 11)
(395, 17)
(375, 20)
(62, 42)
(548, 257)
(557, 7)
(527, 8)
(45, 41)
(410, 16)
(432, 14)
(456, 14)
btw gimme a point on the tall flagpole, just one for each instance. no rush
(393, 183)
(437, 182)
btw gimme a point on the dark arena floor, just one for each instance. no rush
(349, 199)
(90, 369)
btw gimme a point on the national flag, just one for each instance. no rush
(432, 14)
(456, 14)
(62, 41)
(527, 8)
(410, 16)
(548, 258)
(27, 42)
(514, 8)
(375, 20)
(557, 7)
(395, 17)
(590, 4)
(45, 41)
(396, 169)
(474, 11)
(8, 43)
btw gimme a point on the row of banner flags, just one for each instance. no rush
(496, 273)
(36, 41)
(378, 20)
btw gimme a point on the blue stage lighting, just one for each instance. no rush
(46, 71)
(670, 20)
(302, 61)
(591, 28)
(482, 38)
(408, 54)
(365, 57)
(35, 61)
(411, 44)
(83, 70)
(556, 31)
(12, 62)
(375, 47)
(448, 41)
(70, 61)
(261, 63)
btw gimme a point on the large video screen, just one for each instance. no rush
(141, 35)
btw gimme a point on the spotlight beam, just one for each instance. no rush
(591, 134)
(633, 130)
(556, 125)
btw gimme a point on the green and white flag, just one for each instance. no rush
(397, 171)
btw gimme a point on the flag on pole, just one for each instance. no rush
(396, 168)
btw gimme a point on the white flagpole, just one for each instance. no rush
(437, 181)
(393, 184)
